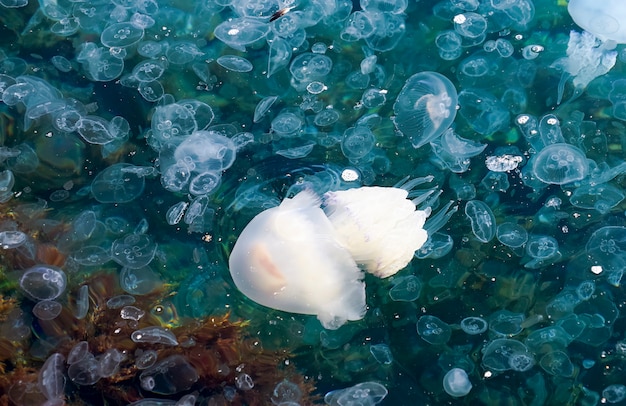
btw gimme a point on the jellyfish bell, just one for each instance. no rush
(287, 259)
(379, 226)
(604, 19)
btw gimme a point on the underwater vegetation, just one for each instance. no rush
(297, 202)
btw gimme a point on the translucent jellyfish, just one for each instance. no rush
(61, 63)
(121, 35)
(456, 383)
(449, 45)
(114, 185)
(504, 323)
(206, 151)
(433, 330)
(471, 25)
(172, 123)
(357, 142)
(437, 246)
(84, 372)
(133, 251)
(279, 56)
(309, 66)
(287, 259)
(389, 28)
(43, 282)
(455, 152)
(287, 124)
(154, 334)
(474, 325)
(79, 351)
(381, 353)
(364, 393)
(47, 309)
(484, 112)
(12, 239)
(512, 235)
(168, 376)
(604, 20)
(240, 32)
(379, 226)
(607, 247)
(482, 220)
(326, 117)
(151, 91)
(425, 107)
(139, 281)
(405, 288)
(560, 164)
(235, 63)
(601, 198)
(557, 363)
(51, 379)
(263, 107)
(503, 354)
(357, 26)
(614, 393)
(205, 183)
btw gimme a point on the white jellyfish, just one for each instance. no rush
(287, 258)
(603, 19)
(378, 225)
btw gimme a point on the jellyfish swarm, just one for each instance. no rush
(425, 107)
(288, 259)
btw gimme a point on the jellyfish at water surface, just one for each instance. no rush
(604, 20)
(425, 107)
(276, 260)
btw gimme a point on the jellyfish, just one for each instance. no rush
(379, 226)
(425, 107)
(587, 58)
(287, 259)
(604, 20)
(456, 383)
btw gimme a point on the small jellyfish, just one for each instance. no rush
(133, 251)
(43, 282)
(456, 383)
(474, 325)
(425, 107)
(511, 234)
(47, 309)
(287, 259)
(357, 142)
(405, 288)
(235, 63)
(114, 185)
(170, 375)
(433, 330)
(206, 151)
(614, 393)
(503, 354)
(482, 220)
(557, 363)
(560, 164)
(470, 25)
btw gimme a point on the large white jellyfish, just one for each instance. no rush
(378, 225)
(287, 258)
(605, 19)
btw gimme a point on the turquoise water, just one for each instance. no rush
(139, 138)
